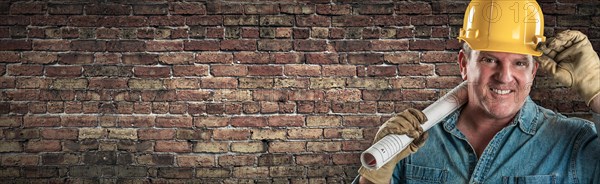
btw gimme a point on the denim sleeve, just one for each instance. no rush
(589, 155)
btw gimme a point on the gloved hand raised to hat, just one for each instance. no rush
(407, 122)
(570, 59)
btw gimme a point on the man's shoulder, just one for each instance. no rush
(555, 120)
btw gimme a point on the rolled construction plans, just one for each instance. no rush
(389, 146)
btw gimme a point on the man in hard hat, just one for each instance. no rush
(500, 135)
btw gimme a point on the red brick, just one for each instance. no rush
(204, 20)
(391, 20)
(443, 82)
(389, 45)
(28, 8)
(427, 45)
(152, 72)
(415, 70)
(88, 45)
(380, 71)
(75, 58)
(187, 8)
(61, 133)
(51, 45)
(250, 32)
(366, 58)
(161, 46)
(63, 71)
(229, 70)
(6, 45)
(104, 83)
(439, 57)
(339, 70)
(214, 57)
(136, 121)
(262, 70)
(301, 33)
(140, 59)
(310, 45)
(10, 57)
(193, 95)
(429, 20)
(42, 146)
(202, 45)
(53, 20)
(231, 134)
(248, 121)
(361, 121)
(252, 57)
(22, 95)
(126, 46)
(418, 95)
(288, 58)
(447, 69)
(178, 58)
(79, 121)
(174, 121)
(302, 70)
(322, 58)
(341, 9)
(174, 21)
(285, 121)
(407, 7)
(238, 45)
(41, 121)
(352, 21)
(107, 58)
(313, 21)
(190, 70)
(274, 45)
(352, 46)
(24, 70)
(65, 9)
(173, 146)
(308, 95)
(107, 9)
(219, 82)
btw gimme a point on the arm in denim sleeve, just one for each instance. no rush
(399, 174)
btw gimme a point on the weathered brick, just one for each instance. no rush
(122, 133)
(240, 20)
(318, 121)
(274, 45)
(62, 133)
(214, 57)
(250, 172)
(219, 83)
(174, 121)
(177, 173)
(231, 134)
(20, 160)
(204, 20)
(287, 147)
(152, 72)
(312, 159)
(140, 59)
(310, 45)
(415, 70)
(66, 84)
(63, 71)
(213, 172)
(92, 133)
(173, 146)
(145, 84)
(42, 146)
(10, 146)
(195, 160)
(276, 20)
(88, 45)
(211, 147)
(24, 70)
(305, 133)
(302, 70)
(337, 9)
(11, 121)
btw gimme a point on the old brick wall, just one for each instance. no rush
(226, 91)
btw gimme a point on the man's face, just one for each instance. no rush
(498, 82)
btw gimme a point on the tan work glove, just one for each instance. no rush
(570, 59)
(407, 122)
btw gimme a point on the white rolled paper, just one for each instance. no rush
(389, 146)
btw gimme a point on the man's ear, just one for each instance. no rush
(462, 64)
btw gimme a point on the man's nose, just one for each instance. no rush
(504, 74)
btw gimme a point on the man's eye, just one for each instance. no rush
(521, 63)
(488, 60)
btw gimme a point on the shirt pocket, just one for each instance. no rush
(529, 179)
(420, 174)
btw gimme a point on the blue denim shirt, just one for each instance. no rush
(539, 146)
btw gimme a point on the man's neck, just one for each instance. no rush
(479, 128)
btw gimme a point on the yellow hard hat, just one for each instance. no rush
(514, 26)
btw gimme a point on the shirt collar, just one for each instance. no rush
(525, 119)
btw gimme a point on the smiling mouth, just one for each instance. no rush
(500, 91)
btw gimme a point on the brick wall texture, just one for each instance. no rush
(245, 91)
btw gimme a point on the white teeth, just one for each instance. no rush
(502, 92)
